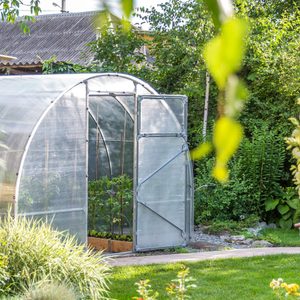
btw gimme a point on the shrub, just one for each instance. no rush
(232, 227)
(256, 173)
(32, 252)
(286, 208)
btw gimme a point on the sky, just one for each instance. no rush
(87, 5)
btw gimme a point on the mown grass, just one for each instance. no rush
(246, 278)
(282, 237)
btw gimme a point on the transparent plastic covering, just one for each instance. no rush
(23, 100)
(111, 136)
(58, 132)
(53, 181)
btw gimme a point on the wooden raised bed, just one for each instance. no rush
(108, 245)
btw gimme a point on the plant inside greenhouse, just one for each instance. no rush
(110, 206)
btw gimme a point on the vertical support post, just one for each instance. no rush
(205, 117)
(122, 160)
(86, 151)
(135, 168)
(97, 143)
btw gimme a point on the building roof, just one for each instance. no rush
(62, 35)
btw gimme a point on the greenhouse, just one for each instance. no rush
(102, 152)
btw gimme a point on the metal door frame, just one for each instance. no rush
(187, 232)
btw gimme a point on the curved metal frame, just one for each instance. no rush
(104, 141)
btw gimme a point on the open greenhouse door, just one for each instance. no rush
(163, 184)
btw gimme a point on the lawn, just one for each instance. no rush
(282, 237)
(246, 278)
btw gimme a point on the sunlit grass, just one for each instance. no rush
(246, 278)
(282, 237)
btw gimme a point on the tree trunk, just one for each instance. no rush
(205, 116)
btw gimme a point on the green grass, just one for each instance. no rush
(229, 279)
(282, 237)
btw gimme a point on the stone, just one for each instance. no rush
(262, 225)
(254, 231)
(272, 225)
(224, 238)
(261, 244)
(237, 238)
(247, 242)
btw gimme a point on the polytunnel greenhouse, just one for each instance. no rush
(96, 151)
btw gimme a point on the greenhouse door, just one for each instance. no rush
(162, 190)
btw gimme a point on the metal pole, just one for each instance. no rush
(63, 6)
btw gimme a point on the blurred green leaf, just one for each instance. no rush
(127, 7)
(101, 21)
(236, 96)
(201, 151)
(228, 134)
(220, 172)
(224, 53)
(126, 25)
(214, 9)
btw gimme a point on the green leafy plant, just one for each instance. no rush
(110, 204)
(280, 236)
(287, 207)
(52, 66)
(10, 11)
(109, 235)
(294, 145)
(230, 226)
(144, 290)
(177, 289)
(257, 173)
(32, 252)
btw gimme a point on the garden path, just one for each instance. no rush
(198, 256)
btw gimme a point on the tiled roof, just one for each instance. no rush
(62, 35)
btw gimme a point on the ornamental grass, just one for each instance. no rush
(32, 252)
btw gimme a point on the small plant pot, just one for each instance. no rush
(121, 246)
(99, 244)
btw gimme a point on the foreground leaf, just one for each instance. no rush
(201, 151)
(223, 54)
(228, 134)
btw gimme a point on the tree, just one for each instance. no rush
(271, 68)
(119, 50)
(10, 10)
